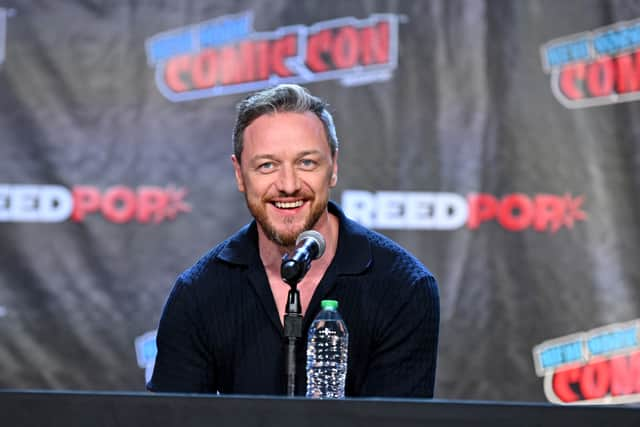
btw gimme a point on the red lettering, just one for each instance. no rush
(177, 73)
(345, 48)
(625, 374)
(85, 200)
(628, 73)
(119, 204)
(482, 207)
(635, 370)
(374, 44)
(595, 379)
(572, 81)
(317, 48)
(233, 64)
(237, 63)
(261, 50)
(230, 66)
(603, 77)
(515, 212)
(617, 376)
(204, 70)
(280, 50)
(600, 77)
(152, 204)
(550, 211)
(622, 381)
(248, 70)
(562, 381)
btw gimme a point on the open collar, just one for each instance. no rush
(353, 254)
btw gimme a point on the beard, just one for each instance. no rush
(287, 237)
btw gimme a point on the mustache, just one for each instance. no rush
(300, 194)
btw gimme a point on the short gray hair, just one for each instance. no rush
(289, 98)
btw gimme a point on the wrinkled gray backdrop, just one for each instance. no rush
(468, 109)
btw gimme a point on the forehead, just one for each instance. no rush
(285, 130)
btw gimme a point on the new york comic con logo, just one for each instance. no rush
(598, 366)
(595, 68)
(224, 55)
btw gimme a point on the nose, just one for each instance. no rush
(288, 181)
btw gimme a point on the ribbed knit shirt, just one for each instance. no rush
(220, 333)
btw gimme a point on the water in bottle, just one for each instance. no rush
(327, 347)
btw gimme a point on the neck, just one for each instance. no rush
(271, 253)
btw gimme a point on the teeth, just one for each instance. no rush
(288, 205)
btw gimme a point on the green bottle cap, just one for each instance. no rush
(329, 304)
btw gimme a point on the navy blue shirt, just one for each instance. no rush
(220, 331)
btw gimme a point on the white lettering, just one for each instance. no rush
(396, 210)
(33, 203)
(359, 206)
(391, 210)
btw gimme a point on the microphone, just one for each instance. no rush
(310, 245)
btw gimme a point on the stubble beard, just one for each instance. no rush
(286, 239)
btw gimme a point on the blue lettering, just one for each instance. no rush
(556, 56)
(550, 357)
(568, 52)
(561, 354)
(579, 50)
(615, 41)
(219, 33)
(170, 45)
(613, 341)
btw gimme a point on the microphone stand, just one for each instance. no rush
(293, 331)
(292, 272)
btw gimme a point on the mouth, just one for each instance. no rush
(288, 205)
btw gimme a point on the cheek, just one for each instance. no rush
(321, 184)
(256, 187)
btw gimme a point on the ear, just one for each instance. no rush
(238, 171)
(334, 172)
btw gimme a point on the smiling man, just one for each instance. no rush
(222, 326)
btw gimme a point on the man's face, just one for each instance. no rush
(286, 173)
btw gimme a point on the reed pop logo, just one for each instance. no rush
(401, 210)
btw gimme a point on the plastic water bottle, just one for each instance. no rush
(327, 347)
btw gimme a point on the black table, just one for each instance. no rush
(22, 408)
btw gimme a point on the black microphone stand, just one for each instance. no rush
(292, 272)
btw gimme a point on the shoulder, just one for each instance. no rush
(389, 258)
(221, 260)
(403, 281)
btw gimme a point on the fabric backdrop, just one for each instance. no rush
(496, 140)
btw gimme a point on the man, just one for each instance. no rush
(222, 327)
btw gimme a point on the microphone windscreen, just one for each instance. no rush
(315, 236)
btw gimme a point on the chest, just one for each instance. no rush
(280, 291)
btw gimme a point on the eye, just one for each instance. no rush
(266, 167)
(308, 164)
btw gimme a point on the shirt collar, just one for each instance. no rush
(353, 255)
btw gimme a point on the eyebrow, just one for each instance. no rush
(262, 157)
(309, 152)
(259, 157)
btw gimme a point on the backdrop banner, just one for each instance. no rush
(495, 140)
